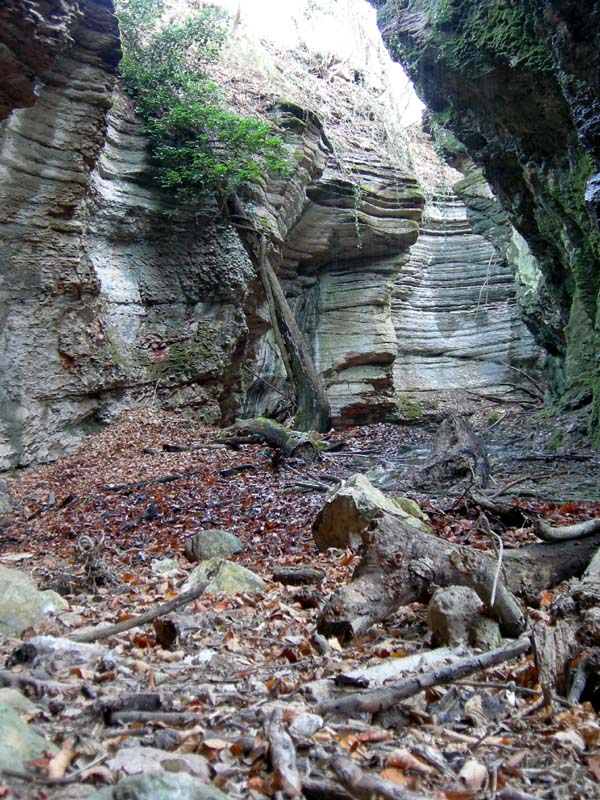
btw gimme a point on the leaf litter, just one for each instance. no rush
(227, 698)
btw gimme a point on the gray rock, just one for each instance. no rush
(12, 698)
(212, 543)
(453, 618)
(224, 578)
(151, 760)
(454, 308)
(349, 508)
(76, 653)
(19, 743)
(305, 725)
(21, 604)
(7, 503)
(159, 787)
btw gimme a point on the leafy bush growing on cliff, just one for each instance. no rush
(201, 149)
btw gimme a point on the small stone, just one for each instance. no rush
(21, 603)
(151, 760)
(166, 567)
(212, 543)
(305, 725)
(224, 578)
(51, 602)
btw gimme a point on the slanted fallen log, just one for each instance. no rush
(381, 699)
(291, 443)
(402, 564)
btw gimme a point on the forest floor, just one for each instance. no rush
(100, 524)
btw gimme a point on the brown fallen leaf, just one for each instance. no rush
(404, 759)
(593, 763)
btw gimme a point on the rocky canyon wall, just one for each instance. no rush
(106, 299)
(518, 84)
(112, 295)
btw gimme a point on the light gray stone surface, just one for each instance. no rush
(454, 309)
(212, 543)
(350, 507)
(19, 743)
(22, 604)
(159, 787)
(454, 618)
(224, 578)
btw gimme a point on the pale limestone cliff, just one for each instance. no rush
(455, 312)
(111, 296)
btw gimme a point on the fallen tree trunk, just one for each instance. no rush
(291, 443)
(402, 564)
(312, 405)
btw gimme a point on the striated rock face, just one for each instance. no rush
(111, 296)
(48, 289)
(455, 311)
(340, 257)
(105, 301)
(519, 85)
(33, 34)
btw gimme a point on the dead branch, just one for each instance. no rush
(298, 576)
(291, 443)
(142, 619)
(457, 453)
(375, 700)
(176, 476)
(364, 786)
(283, 756)
(565, 532)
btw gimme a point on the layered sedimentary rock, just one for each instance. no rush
(455, 312)
(112, 296)
(105, 300)
(340, 258)
(518, 83)
(49, 293)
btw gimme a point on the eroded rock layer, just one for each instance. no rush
(518, 83)
(455, 312)
(106, 301)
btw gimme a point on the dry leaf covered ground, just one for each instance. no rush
(100, 525)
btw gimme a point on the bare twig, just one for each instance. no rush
(148, 616)
(364, 786)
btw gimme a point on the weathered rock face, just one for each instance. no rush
(111, 296)
(455, 311)
(33, 35)
(518, 83)
(105, 301)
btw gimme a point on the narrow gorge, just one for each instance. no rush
(114, 296)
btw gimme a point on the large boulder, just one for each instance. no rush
(212, 543)
(22, 603)
(349, 508)
(19, 743)
(224, 577)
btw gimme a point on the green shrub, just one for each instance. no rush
(200, 148)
